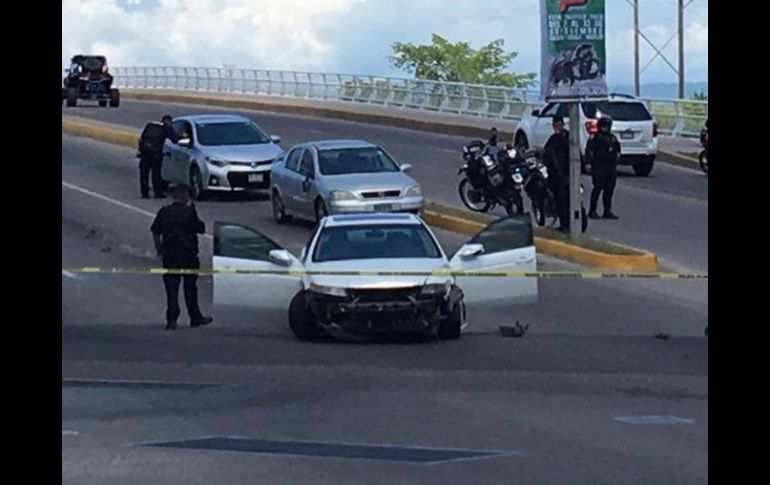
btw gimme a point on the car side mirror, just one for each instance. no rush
(536, 112)
(280, 257)
(406, 167)
(275, 139)
(470, 251)
(184, 142)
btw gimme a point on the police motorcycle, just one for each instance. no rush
(483, 179)
(534, 175)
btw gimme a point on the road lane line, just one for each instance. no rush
(99, 196)
(69, 274)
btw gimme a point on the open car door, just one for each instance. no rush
(504, 245)
(237, 247)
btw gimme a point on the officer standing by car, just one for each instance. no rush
(602, 157)
(175, 234)
(151, 156)
(556, 157)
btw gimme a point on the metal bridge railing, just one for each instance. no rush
(675, 117)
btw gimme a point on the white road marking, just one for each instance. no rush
(68, 432)
(69, 274)
(99, 196)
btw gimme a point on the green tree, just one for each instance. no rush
(442, 60)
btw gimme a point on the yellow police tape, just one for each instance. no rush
(496, 274)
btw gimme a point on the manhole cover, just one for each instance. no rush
(120, 384)
(331, 450)
(641, 420)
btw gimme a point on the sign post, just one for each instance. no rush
(572, 70)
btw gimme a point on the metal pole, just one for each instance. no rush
(576, 222)
(637, 87)
(680, 7)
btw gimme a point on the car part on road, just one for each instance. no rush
(517, 330)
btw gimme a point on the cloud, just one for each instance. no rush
(276, 34)
(351, 36)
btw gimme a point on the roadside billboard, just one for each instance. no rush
(573, 54)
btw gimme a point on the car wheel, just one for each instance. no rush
(279, 211)
(451, 327)
(521, 141)
(302, 322)
(197, 191)
(320, 210)
(643, 169)
(72, 97)
(114, 98)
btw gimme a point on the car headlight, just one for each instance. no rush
(414, 191)
(435, 289)
(217, 163)
(328, 290)
(341, 195)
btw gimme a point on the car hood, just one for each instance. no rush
(370, 181)
(242, 153)
(399, 281)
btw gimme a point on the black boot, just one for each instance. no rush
(199, 322)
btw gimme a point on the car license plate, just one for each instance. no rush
(255, 177)
(383, 207)
(626, 135)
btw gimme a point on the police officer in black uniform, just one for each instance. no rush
(151, 156)
(556, 158)
(175, 234)
(602, 156)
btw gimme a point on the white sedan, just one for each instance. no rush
(322, 302)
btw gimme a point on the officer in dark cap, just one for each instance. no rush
(175, 234)
(150, 155)
(602, 157)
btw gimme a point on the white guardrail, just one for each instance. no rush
(674, 117)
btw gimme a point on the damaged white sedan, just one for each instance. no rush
(334, 293)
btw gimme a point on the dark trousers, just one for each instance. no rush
(171, 282)
(561, 201)
(147, 168)
(604, 179)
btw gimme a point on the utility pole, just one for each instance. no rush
(575, 197)
(680, 7)
(637, 87)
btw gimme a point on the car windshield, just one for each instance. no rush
(617, 111)
(355, 160)
(231, 133)
(94, 64)
(341, 243)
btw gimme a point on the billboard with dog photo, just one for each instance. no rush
(573, 53)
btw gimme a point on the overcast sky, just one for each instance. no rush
(354, 36)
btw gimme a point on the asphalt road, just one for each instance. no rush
(666, 213)
(548, 400)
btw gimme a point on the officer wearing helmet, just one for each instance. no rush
(602, 156)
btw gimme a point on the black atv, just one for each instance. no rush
(87, 78)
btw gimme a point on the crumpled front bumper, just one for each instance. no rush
(372, 312)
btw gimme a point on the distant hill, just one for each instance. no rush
(663, 90)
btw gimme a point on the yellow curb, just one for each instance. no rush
(641, 261)
(118, 137)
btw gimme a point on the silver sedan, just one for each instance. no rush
(219, 153)
(319, 178)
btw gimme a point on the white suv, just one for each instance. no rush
(632, 123)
